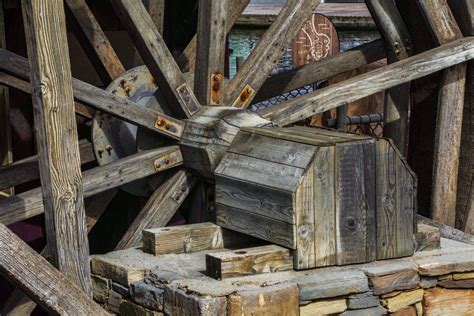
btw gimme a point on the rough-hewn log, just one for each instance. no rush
(160, 208)
(323, 69)
(450, 112)
(157, 57)
(57, 140)
(397, 99)
(27, 169)
(369, 83)
(102, 100)
(30, 203)
(211, 47)
(187, 60)
(51, 289)
(94, 42)
(265, 56)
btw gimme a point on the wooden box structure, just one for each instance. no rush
(332, 197)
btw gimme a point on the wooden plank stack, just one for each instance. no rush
(332, 197)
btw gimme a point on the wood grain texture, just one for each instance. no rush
(50, 288)
(268, 51)
(160, 208)
(156, 56)
(372, 82)
(28, 204)
(57, 140)
(182, 239)
(450, 114)
(156, 10)
(211, 49)
(94, 42)
(248, 261)
(187, 60)
(100, 99)
(440, 302)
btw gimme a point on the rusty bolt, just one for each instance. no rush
(248, 91)
(183, 189)
(100, 150)
(216, 78)
(167, 161)
(243, 97)
(167, 126)
(108, 148)
(160, 122)
(215, 87)
(157, 165)
(186, 98)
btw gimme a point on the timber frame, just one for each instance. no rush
(188, 111)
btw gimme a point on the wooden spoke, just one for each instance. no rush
(102, 100)
(372, 82)
(51, 289)
(323, 69)
(28, 204)
(57, 140)
(157, 57)
(94, 42)
(397, 99)
(187, 60)
(160, 208)
(450, 113)
(211, 46)
(265, 56)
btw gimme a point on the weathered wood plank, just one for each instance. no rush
(50, 288)
(28, 204)
(102, 100)
(264, 57)
(157, 57)
(440, 302)
(324, 208)
(405, 197)
(450, 113)
(160, 208)
(57, 140)
(211, 49)
(94, 42)
(248, 261)
(323, 69)
(187, 60)
(179, 239)
(372, 82)
(181, 303)
(156, 9)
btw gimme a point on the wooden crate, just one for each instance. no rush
(332, 197)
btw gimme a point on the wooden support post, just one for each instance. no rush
(6, 156)
(160, 208)
(57, 140)
(157, 57)
(211, 47)
(103, 100)
(450, 112)
(187, 60)
(323, 69)
(266, 55)
(358, 87)
(399, 45)
(53, 290)
(94, 42)
(156, 10)
(28, 204)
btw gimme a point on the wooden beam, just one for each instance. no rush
(103, 100)
(450, 113)
(156, 10)
(28, 204)
(57, 140)
(94, 42)
(6, 155)
(96, 206)
(399, 45)
(26, 170)
(54, 291)
(160, 208)
(157, 57)
(323, 69)
(372, 82)
(266, 55)
(187, 60)
(211, 47)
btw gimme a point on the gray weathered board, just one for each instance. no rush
(332, 197)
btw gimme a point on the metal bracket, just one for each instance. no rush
(216, 89)
(244, 97)
(166, 125)
(188, 99)
(168, 161)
